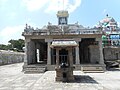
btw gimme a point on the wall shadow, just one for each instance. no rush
(84, 79)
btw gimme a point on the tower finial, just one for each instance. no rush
(107, 15)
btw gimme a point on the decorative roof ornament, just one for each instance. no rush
(62, 13)
(106, 15)
(108, 22)
(62, 17)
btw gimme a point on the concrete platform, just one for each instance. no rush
(11, 78)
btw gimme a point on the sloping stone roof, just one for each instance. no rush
(64, 43)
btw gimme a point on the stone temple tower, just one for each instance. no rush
(62, 17)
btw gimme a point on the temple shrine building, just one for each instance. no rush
(51, 45)
(111, 32)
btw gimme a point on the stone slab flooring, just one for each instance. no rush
(12, 78)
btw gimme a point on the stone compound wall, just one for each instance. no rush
(111, 54)
(8, 57)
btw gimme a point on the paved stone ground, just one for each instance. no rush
(11, 78)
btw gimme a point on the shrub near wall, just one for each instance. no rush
(8, 57)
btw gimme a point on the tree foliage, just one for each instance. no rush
(13, 45)
(3, 47)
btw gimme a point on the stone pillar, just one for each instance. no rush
(57, 57)
(77, 55)
(49, 54)
(70, 57)
(31, 52)
(34, 56)
(101, 50)
(26, 52)
(77, 51)
(48, 51)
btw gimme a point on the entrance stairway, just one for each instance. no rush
(91, 68)
(34, 68)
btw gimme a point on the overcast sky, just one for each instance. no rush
(14, 14)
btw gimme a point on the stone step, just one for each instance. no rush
(90, 69)
(34, 70)
(32, 66)
(93, 71)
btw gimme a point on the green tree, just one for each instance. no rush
(17, 44)
(13, 45)
(3, 47)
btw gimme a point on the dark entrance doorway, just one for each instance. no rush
(63, 56)
(84, 50)
(40, 51)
